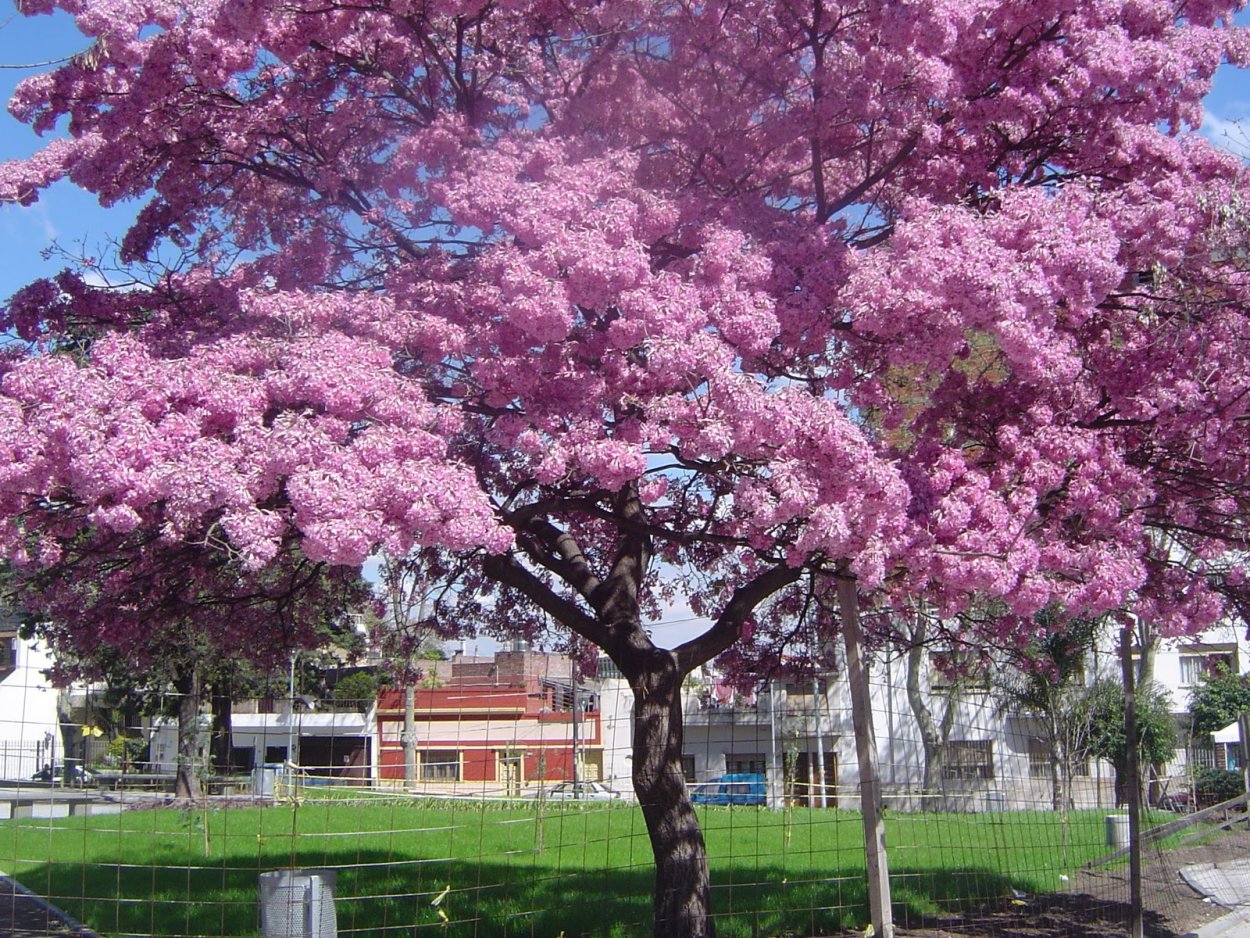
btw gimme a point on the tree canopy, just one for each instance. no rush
(600, 303)
(483, 276)
(1218, 700)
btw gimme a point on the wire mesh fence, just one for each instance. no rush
(493, 798)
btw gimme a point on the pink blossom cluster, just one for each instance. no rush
(944, 295)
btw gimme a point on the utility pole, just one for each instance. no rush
(817, 714)
(409, 735)
(577, 786)
(290, 704)
(775, 771)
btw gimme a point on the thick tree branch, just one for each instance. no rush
(564, 556)
(728, 627)
(859, 191)
(633, 556)
(504, 569)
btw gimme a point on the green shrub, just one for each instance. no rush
(356, 691)
(123, 750)
(1215, 785)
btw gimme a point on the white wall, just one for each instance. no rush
(28, 721)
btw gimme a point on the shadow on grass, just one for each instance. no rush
(377, 896)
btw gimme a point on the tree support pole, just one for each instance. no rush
(866, 750)
(1132, 748)
(410, 732)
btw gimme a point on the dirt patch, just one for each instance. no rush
(1096, 902)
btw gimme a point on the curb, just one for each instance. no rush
(1235, 924)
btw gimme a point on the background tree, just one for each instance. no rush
(928, 647)
(407, 634)
(1048, 681)
(176, 625)
(356, 691)
(1103, 709)
(1218, 700)
(599, 304)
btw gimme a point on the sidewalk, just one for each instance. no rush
(25, 915)
(1227, 883)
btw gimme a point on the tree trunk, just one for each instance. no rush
(221, 744)
(187, 781)
(1057, 800)
(682, 902)
(1148, 645)
(1120, 782)
(933, 735)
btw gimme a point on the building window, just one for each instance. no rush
(8, 655)
(750, 764)
(1039, 761)
(1232, 756)
(687, 769)
(440, 765)
(607, 669)
(949, 670)
(1199, 661)
(1039, 758)
(969, 758)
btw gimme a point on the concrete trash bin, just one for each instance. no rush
(298, 904)
(1117, 830)
(265, 779)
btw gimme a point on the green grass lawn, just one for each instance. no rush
(573, 870)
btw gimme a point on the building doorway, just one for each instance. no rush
(805, 783)
(510, 773)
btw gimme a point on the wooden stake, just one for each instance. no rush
(866, 750)
(1133, 767)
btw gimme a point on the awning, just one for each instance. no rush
(1229, 734)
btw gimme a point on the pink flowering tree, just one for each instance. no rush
(602, 303)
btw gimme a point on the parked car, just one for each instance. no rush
(734, 788)
(70, 774)
(577, 791)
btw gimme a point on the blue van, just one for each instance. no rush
(734, 788)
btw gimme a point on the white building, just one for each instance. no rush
(29, 733)
(333, 743)
(796, 733)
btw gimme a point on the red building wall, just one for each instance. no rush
(505, 692)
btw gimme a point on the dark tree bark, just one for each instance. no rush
(682, 901)
(187, 781)
(221, 743)
(604, 608)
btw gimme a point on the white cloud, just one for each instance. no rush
(29, 223)
(95, 278)
(1230, 134)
